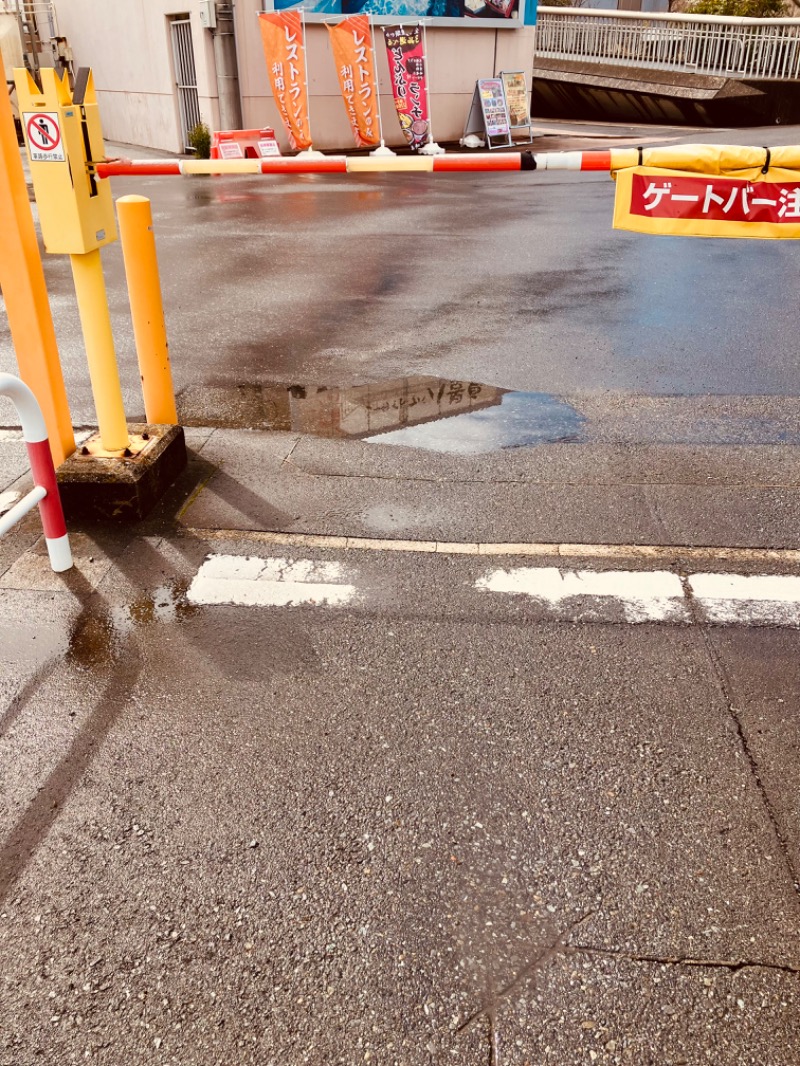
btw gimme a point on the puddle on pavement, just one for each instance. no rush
(244, 651)
(461, 417)
(101, 637)
(166, 604)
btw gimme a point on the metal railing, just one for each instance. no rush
(41, 13)
(697, 44)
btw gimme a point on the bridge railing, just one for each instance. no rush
(698, 44)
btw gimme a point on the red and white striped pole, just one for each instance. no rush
(356, 164)
(34, 433)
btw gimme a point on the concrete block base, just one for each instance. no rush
(122, 487)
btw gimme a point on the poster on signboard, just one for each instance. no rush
(500, 13)
(488, 114)
(516, 98)
(405, 52)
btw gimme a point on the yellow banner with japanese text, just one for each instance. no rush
(284, 48)
(762, 203)
(354, 57)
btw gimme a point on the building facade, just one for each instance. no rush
(159, 68)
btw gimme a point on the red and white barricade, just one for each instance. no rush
(244, 144)
(45, 490)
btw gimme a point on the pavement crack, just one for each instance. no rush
(723, 682)
(655, 513)
(286, 461)
(732, 965)
(554, 947)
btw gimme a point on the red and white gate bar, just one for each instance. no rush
(341, 164)
(45, 491)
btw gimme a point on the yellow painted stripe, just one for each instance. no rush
(212, 166)
(380, 165)
(789, 556)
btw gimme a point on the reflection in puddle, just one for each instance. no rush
(102, 636)
(516, 420)
(166, 604)
(463, 417)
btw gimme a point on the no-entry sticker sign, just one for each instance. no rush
(44, 137)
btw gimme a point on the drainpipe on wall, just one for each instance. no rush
(230, 102)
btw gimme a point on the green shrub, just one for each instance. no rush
(200, 140)
(754, 9)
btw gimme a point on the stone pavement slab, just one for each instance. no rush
(573, 463)
(552, 493)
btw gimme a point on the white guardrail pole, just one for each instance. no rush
(698, 44)
(45, 492)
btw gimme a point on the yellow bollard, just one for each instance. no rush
(25, 293)
(144, 290)
(90, 289)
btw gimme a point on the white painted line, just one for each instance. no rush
(248, 581)
(766, 599)
(636, 596)
(645, 596)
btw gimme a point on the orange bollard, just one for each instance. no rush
(147, 310)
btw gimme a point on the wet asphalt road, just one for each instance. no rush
(512, 280)
(429, 826)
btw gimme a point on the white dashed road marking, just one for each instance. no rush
(659, 596)
(247, 581)
(645, 596)
(757, 598)
(633, 596)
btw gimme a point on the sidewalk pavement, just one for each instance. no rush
(416, 820)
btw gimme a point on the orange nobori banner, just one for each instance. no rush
(284, 48)
(355, 65)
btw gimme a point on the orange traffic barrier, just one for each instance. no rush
(328, 164)
(483, 161)
(244, 144)
(316, 163)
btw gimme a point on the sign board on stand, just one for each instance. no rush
(244, 144)
(516, 92)
(488, 114)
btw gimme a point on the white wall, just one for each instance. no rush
(127, 44)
